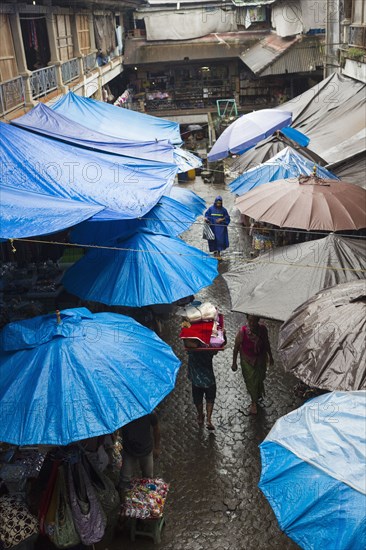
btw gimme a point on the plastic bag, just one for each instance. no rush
(196, 314)
(207, 233)
(64, 534)
(104, 488)
(89, 518)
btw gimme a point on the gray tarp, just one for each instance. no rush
(331, 114)
(352, 170)
(323, 342)
(277, 282)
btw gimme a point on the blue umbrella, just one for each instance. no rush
(313, 472)
(148, 269)
(247, 131)
(81, 377)
(187, 197)
(286, 164)
(168, 216)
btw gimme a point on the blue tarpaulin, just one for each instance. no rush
(36, 163)
(43, 120)
(168, 216)
(117, 121)
(148, 269)
(189, 198)
(27, 214)
(313, 472)
(296, 135)
(286, 164)
(84, 376)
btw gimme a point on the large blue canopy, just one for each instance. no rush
(168, 216)
(313, 472)
(285, 165)
(43, 120)
(26, 214)
(117, 121)
(35, 163)
(85, 376)
(148, 269)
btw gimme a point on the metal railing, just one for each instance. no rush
(11, 94)
(43, 81)
(90, 62)
(70, 70)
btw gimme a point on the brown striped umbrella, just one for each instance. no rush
(307, 202)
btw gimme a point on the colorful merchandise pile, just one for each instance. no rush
(146, 499)
(202, 327)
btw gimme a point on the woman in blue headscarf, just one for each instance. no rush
(218, 218)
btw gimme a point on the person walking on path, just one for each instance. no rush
(202, 376)
(141, 444)
(218, 218)
(253, 345)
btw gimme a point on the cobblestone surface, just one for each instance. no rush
(214, 502)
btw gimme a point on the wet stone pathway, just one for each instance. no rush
(214, 502)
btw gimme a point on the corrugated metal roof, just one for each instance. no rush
(265, 52)
(301, 58)
(274, 55)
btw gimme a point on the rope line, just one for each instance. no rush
(243, 260)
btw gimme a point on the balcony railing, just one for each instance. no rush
(43, 81)
(11, 94)
(70, 70)
(90, 62)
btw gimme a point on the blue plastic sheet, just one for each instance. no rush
(43, 120)
(168, 216)
(313, 472)
(185, 160)
(112, 120)
(148, 269)
(36, 163)
(296, 136)
(189, 198)
(86, 376)
(286, 164)
(27, 214)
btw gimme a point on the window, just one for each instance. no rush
(8, 65)
(64, 37)
(82, 25)
(359, 15)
